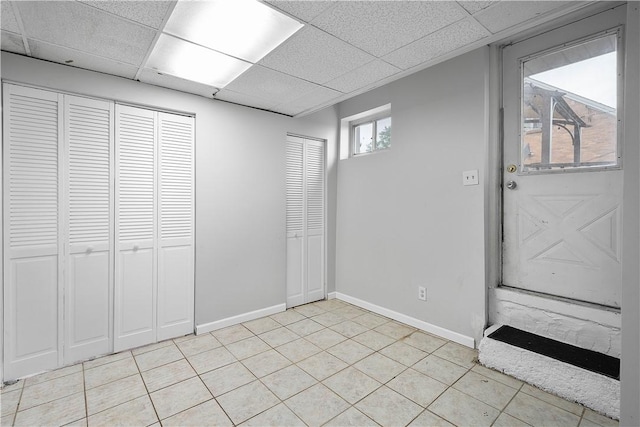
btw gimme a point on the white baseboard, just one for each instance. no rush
(331, 295)
(412, 321)
(245, 317)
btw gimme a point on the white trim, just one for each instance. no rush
(412, 321)
(244, 317)
(331, 295)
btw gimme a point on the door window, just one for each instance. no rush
(569, 117)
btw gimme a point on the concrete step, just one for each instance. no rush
(584, 376)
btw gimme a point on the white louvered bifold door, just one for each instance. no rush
(176, 222)
(89, 258)
(135, 225)
(295, 220)
(314, 188)
(32, 226)
(305, 172)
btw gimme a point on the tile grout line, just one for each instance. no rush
(86, 400)
(145, 385)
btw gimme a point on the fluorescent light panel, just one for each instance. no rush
(192, 62)
(245, 29)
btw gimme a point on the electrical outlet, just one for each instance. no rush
(422, 293)
(470, 177)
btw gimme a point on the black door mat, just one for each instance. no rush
(586, 359)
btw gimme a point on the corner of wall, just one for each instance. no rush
(630, 360)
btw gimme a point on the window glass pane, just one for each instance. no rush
(569, 116)
(363, 138)
(383, 137)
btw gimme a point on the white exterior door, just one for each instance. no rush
(562, 162)
(176, 240)
(32, 226)
(135, 225)
(88, 250)
(305, 178)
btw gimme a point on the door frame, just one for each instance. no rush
(324, 210)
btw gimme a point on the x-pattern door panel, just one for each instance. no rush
(562, 242)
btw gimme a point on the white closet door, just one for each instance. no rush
(32, 226)
(314, 188)
(135, 187)
(89, 259)
(176, 243)
(305, 172)
(295, 220)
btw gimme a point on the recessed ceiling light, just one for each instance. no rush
(192, 62)
(246, 29)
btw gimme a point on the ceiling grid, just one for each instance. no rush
(343, 49)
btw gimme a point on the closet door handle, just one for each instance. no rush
(135, 248)
(89, 250)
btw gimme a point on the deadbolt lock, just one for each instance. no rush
(512, 168)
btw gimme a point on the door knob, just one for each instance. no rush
(511, 185)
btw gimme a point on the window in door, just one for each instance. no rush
(569, 107)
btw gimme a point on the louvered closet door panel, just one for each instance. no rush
(295, 220)
(176, 244)
(135, 276)
(314, 189)
(32, 315)
(89, 147)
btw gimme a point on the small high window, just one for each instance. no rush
(365, 132)
(371, 135)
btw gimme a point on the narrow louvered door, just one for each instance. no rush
(89, 258)
(305, 172)
(32, 226)
(135, 224)
(175, 208)
(295, 220)
(314, 233)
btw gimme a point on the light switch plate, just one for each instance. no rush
(470, 177)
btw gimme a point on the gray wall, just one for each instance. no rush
(240, 183)
(630, 359)
(404, 219)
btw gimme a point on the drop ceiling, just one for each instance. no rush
(344, 48)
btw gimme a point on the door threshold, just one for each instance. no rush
(559, 298)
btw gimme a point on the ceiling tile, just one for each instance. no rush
(8, 18)
(242, 99)
(268, 84)
(380, 27)
(363, 76)
(303, 10)
(61, 55)
(78, 26)
(12, 42)
(437, 44)
(475, 6)
(313, 99)
(166, 80)
(314, 55)
(149, 13)
(503, 15)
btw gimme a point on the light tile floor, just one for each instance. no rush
(327, 363)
